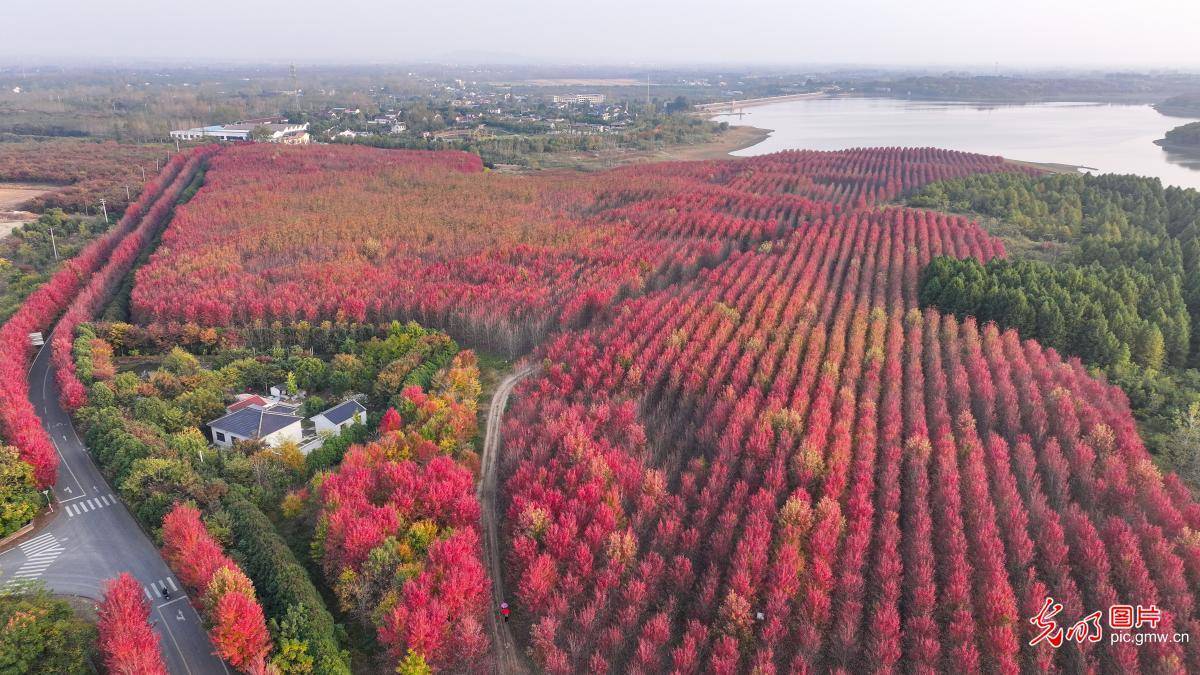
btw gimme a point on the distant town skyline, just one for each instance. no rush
(1013, 34)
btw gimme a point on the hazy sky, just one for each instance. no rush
(1015, 33)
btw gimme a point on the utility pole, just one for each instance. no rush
(295, 87)
(127, 198)
(104, 207)
(53, 244)
(143, 173)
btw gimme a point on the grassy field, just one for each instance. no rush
(732, 140)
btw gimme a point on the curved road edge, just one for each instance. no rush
(508, 657)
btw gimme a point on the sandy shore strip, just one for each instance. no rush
(734, 139)
(1052, 167)
(719, 107)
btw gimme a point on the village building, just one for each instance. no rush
(270, 426)
(275, 132)
(339, 417)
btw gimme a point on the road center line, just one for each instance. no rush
(166, 626)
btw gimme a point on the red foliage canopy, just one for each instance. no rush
(379, 505)
(499, 260)
(787, 434)
(238, 627)
(127, 643)
(239, 633)
(19, 424)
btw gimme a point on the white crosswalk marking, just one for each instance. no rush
(37, 540)
(39, 543)
(158, 588)
(40, 552)
(79, 508)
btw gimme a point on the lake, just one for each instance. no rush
(1110, 138)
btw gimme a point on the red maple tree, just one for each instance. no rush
(127, 643)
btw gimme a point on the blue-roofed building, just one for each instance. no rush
(279, 132)
(339, 417)
(255, 423)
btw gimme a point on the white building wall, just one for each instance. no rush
(291, 432)
(323, 425)
(229, 439)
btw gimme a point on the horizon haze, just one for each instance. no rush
(929, 33)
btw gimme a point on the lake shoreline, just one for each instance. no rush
(1052, 167)
(1060, 138)
(716, 107)
(738, 137)
(1177, 147)
(754, 135)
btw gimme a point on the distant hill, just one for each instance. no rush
(1183, 105)
(1183, 137)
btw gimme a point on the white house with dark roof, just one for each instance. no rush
(270, 426)
(339, 417)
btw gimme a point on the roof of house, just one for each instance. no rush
(253, 422)
(343, 411)
(246, 403)
(285, 408)
(251, 126)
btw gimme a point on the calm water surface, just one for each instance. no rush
(1108, 138)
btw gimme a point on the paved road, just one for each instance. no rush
(508, 657)
(91, 537)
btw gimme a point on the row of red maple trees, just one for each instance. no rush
(101, 285)
(225, 598)
(783, 465)
(225, 595)
(496, 260)
(19, 424)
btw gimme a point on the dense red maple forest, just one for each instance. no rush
(748, 449)
(497, 260)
